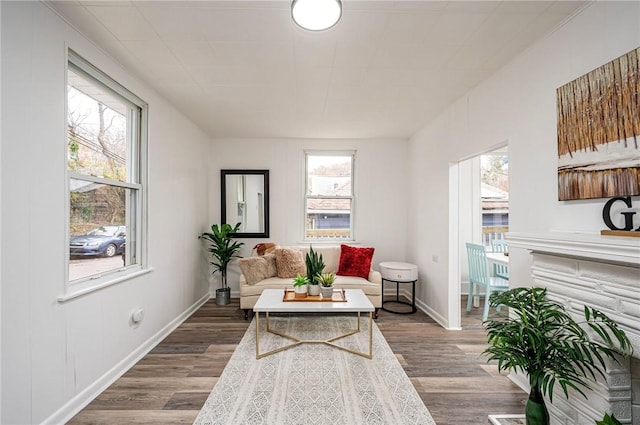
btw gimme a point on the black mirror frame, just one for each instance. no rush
(223, 199)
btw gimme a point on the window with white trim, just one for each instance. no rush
(106, 168)
(329, 195)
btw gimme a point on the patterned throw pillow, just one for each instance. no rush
(355, 261)
(256, 269)
(289, 263)
(264, 248)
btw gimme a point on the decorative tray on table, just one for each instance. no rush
(337, 297)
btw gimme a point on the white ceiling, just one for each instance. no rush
(244, 69)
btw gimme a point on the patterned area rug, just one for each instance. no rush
(314, 384)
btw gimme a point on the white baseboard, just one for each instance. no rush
(232, 294)
(441, 320)
(82, 399)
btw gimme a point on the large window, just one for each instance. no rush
(329, 195)
(105, 163)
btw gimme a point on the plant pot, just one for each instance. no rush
(327, 291)
(300, 291)
(536, 411)
(314, 290)
(223, 296)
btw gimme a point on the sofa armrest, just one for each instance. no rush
(375, 277)
(242, 280)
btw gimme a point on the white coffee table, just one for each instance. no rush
(271, 301)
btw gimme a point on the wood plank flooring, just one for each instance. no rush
(171, 383)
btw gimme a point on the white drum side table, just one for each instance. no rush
(396, 272)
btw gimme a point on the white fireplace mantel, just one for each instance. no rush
(581, 269)
(590, 246)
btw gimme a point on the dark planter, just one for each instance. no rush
(536, 410)
(223, 296)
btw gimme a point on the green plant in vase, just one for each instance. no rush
(608, 420)
(223, 249)
(540, 338)
(300, 284)
(315, 266)
(326, 283)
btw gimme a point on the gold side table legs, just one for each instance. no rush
(298, 341)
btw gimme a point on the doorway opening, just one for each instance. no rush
(483, 216)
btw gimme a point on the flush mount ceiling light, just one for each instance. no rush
(316, 15)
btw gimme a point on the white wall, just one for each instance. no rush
(517, 104)
(469, 213)
(380, 185)
(55, 356)
(0, 221)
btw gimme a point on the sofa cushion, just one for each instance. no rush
(269, 283)
(355, 261)
(290, 263)
(258, 268)
(352, 282)
(342, 282)
(330, 256)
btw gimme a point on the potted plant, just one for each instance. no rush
(223, 249)
(315, 266)
(540, 338)
(300, 284)
(608, 420)
(326, 283)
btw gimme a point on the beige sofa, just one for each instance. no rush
(372, 286)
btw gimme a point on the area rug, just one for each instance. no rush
(314, 384)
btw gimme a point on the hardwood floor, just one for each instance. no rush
(171, 383)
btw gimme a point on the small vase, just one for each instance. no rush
(223, 296)
(536, 411)
(327, 291)
(300, 291)
(314, 290)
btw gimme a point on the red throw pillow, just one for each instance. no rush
(355, 261)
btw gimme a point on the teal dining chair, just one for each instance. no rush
(500, 245)
(479, 277)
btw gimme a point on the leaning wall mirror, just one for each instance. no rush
(245, 200)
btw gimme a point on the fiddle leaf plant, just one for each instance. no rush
(540, 338)
(223, 248)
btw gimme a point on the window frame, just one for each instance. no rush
(136, 180)
(352, 214)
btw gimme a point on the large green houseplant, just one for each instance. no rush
(540, 338)
(315, 266)
(223, 249)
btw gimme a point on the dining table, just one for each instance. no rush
(500, 258)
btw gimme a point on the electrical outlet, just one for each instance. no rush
(434, 258)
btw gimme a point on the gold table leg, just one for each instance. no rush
(298, 341)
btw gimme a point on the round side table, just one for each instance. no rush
(395, 272)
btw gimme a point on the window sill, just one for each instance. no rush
(82, 290)
(329, 242)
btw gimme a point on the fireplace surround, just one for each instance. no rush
(603, 272)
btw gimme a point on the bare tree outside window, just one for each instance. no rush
(104, 179)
